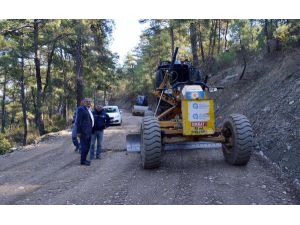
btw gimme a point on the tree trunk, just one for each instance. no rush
(34, 105)
(104, 98)
(133, 78)
(22, 95)
(67, 110)
(64, 74)
(193, 38)
(172, 40)
(3, 104)
(60, 105)
(39, 120)
(267, 35)
(214, 39)
(210, 37)
(64, 109)
(219, 37)
(78, 65)
(270, 28)
(23, 102)
(251, 31)
(201, 43)
(13, 112)
(47, 93)
(48, 86)
(245, 61)
(225, 46)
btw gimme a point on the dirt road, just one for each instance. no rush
(49, 173)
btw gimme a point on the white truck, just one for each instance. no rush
(141, 106)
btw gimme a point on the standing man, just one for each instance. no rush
(85, 123)
(74, 129)
(101, 122)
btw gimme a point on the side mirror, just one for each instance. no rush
(212, 89)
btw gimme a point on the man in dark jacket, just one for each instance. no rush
(74, 129)
(85, 123)
(101, 122)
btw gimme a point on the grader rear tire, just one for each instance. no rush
(150, 143)
(239, 140)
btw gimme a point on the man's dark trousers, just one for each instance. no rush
(85, 142)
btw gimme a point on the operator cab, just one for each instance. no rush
(183, 71)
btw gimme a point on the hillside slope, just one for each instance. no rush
(269, 95)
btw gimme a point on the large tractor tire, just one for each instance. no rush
(150, 143)
(239, 143)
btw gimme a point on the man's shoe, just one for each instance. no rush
(85, 163)
(76, 149)
(98, 157)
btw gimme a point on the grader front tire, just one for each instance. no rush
(150, 143)
(239, 140)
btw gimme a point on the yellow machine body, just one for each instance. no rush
(197, 112)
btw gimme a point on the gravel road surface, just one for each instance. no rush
(49, 173)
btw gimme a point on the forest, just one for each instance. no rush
(48, 66)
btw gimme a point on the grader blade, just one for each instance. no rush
(133, 142)
(191, 145)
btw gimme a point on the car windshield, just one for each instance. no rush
(110, 110)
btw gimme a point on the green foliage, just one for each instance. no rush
(288, 34)
(57, 51)
(226, 58)
(223, 42)
(15, 135)
(53, 129)
(58, 123)
(282, 32)
(245, 32)
(32, 136)
(4, 144)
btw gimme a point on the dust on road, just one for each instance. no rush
(49, 173)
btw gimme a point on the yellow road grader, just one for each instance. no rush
(184, 117)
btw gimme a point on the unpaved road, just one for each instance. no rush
(49, 173)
